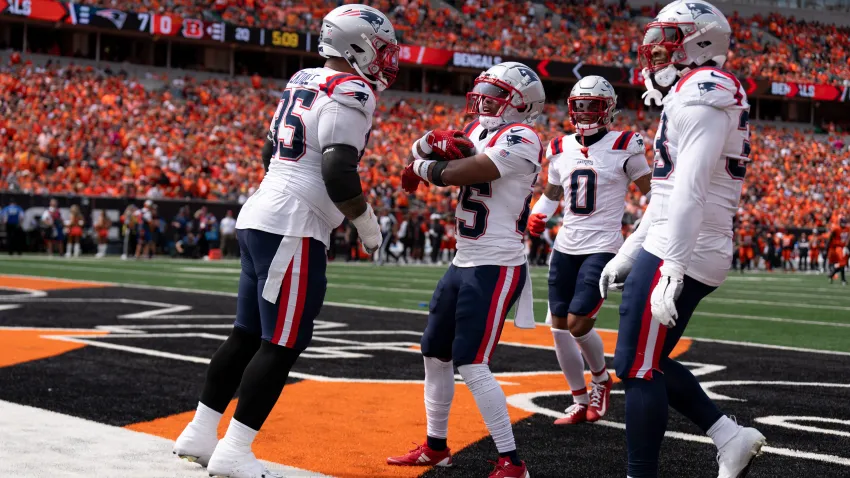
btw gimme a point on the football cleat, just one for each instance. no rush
(577, 413)
(600, 393)
(422, 455)
(506, 469)
(736, 456)
(194, 446)
(229, 462)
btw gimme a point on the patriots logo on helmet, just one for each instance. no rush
(513, 139)
(360, 96)
(373, 18)
(698, 9)
(530, 76)
(117, 17)
(706, 86)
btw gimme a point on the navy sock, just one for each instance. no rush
(437, 444)
(687, 397)
(646, 421)
(513, 456)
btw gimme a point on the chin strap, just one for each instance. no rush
(651, 94)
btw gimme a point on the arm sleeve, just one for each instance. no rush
(702, 130)
(340, 124)
(516, 151)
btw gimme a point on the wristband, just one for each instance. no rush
(437, 173)
(420, 168)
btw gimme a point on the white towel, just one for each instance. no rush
(277, 269)
(524, 318)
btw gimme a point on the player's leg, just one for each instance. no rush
(291, 289)
(585, 305)
(563, 273)
(436, 346)
(224, 372)
(484, 298)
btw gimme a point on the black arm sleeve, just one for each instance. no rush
(339, 171)
(268, 152)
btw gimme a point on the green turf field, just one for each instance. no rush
(795, 310)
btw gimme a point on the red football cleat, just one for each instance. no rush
(422, 456)
(577, 413)
(506, 469)
(599, 397)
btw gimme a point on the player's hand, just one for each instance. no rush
(448, 144)
(409, 180)
(537, 223)
(614, 274)
(664, 295)
(368, 230)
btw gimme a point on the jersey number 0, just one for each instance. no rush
(294, 148)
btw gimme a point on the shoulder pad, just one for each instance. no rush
(519, 139)
(630, 142)
(712, 87)
(467, 130)
(556, 146)
(352, 91)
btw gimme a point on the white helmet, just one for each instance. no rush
(365, 38)
(512, 89)
(591, 104)
(692, 32)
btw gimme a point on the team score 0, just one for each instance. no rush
(285, 39)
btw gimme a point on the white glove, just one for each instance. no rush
(614, 274)
(663, 298)
(368, 229)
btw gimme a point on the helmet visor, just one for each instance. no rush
(589, 111)
(489, 97)
(662, 45)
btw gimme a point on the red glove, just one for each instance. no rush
(536, 224)
(409, 180)
(450, 144)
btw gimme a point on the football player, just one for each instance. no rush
(839, 251)
(315, 142)
(593, 169)
(682, 249)
(487, 275)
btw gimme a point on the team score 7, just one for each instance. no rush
(478, 209)
(290, 141)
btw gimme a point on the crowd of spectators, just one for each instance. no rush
(78, 131)
(593, 32)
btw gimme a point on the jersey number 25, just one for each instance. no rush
(293, 148)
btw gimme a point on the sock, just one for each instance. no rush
(491, 403)
(646, 421)
(76, 249)
(513, 457)
(206, 419)
(262, 383)
(594, 353)
(569, 358)
(239, 436)
(687, 396)
(439, 392)
(722, 431)
(226, 367)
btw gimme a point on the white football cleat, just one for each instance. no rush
(228, 462)
(736, 456)
(194, 446)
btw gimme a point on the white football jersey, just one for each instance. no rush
(595, 187)
(320, 107)
(492, 217)
(705, 117)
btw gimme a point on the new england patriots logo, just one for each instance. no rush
(513, 139)
(117, 17)
(373, 18)
(698, 9)
(360, 96)
(707, 86)
(530, 76)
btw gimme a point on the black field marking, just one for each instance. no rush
(120, 387)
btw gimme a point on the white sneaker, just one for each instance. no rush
(123, 257)
(195, 446)
(736, 456)
(232, 463)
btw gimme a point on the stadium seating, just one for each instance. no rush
(772, 47)
(207, 146)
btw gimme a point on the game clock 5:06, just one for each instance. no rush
(285, 39)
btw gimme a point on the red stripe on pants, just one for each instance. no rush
(494, 304)
(514, 282)
(645, 325)
(283, 303)
(302, 293)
